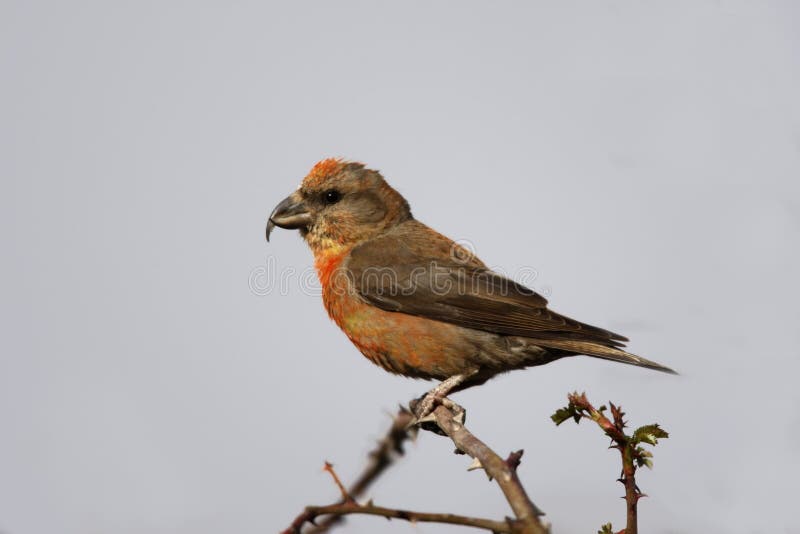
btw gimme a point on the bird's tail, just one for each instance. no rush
(607, 353)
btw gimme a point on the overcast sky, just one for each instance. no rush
(642, 160)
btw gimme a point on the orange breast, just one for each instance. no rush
(400, 343)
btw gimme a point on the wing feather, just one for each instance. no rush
(399, 272)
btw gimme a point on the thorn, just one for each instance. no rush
(513, 459)
(476, 464)
(460, 417)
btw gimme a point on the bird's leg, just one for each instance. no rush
(423, 406)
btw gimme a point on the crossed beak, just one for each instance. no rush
(291, 214)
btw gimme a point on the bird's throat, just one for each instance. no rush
(327, 263)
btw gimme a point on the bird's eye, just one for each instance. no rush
(331, 196)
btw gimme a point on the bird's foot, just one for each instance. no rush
(423, 408)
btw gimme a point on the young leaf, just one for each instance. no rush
(562, 414)
(649, 434)
(643, 457)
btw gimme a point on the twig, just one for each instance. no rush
(380, 459)
(347, 508)
(384, 454)
(629, 447)
(615, 430)
(504, 472)
(345, 496)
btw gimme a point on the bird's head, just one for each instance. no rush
(340, 204)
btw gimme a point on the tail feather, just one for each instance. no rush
(604, 352)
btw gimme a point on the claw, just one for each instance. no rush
(460, 414)
(417, 421)
(430, 418)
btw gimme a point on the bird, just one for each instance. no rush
(417, 303)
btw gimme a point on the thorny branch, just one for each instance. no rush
(447, 419)
(341, 509)
(380, 459)
(503, 471)
(633, 455)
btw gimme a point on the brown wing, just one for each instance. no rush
(412, 271)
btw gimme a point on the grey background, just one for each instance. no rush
(643, 158)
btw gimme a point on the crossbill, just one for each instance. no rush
(415, 302)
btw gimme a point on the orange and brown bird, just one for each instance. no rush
(415, 302)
